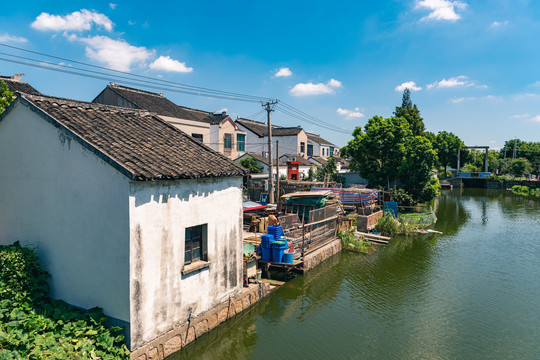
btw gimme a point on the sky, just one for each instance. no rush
(473, 66)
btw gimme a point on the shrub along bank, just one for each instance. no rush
(34, 326)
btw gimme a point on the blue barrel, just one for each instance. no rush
(266, 240)
(266, 254)
(287, 258)
(278, 249)
(276, 231)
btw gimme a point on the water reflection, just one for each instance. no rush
(471, 292)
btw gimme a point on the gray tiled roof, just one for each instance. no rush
(318, 139)
(19, 86)
(261, 129)
(162, 106)
(137, 143)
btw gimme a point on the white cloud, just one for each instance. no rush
(492, 141)
(76, 21)
(113, 6)
(11, 38)
(165, 63)
(461, 80)
(411, 85)
(350, 114)
(131, 22)
(498, 24)
(457, 100)
(441, 9)
(333, 83)
(116, 54)
(283, 72)
(537, 83)
(310, 88)
(536, 118)
(520, 116)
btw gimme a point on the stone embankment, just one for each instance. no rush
(176, 339)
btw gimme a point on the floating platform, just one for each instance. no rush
(378, 239)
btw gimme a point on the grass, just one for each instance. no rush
(390, 226)
(350, 242)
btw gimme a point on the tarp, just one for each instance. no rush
(364, 197)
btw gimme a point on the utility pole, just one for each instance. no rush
(269, 107)
(277, 170)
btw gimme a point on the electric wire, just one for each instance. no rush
(160, 84)
(193, 87)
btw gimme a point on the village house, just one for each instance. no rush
(319, 147)
(291, 139)
(15, 84)
(218, 131)
(126, 211)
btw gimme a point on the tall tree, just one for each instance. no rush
(6, 96)
(447, 144)
(378, 152)
(410, 112)
(386, 153)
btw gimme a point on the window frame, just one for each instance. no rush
(225, 138)
(198, 137)
(195, 234)
(240, 144)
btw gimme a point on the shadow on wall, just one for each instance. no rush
(184, 190)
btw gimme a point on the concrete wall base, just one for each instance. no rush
(316, 257)
(181, 336)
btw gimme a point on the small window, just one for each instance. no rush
(240, 142)
(195, 244)
(198, 137)
(302, 147)
(310, 150)
(227, 141)
(331, 150)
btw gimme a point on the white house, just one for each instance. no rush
(126, 211)
(292, 140)
(319, 147)
(218, 131)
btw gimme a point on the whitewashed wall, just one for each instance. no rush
(71, 205)
(161, 297)
(191, 127)
(287, 144)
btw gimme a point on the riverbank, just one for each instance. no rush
(470, 292)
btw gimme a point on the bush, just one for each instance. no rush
(33, 326)
(389, 226)
(349, 241)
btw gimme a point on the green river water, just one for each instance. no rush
(470, 293)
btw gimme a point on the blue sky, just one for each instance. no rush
(473, 66)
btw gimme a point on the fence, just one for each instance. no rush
(307, 237)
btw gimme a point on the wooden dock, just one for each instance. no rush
(378, 239)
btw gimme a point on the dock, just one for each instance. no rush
(378, 239)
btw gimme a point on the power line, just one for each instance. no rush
(159, 84)
(193, 87)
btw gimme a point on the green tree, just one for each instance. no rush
(378, 151)
(6, 96)
(447, 144)
(387, 153)
(416, 172)
(410, 112)
(520, 166)
(252, 165)
(527, 150)
(329, 168)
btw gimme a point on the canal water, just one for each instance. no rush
(471, 293)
